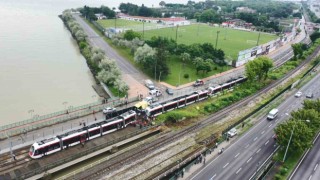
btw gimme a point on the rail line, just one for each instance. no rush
(97, 172)
(7, 162)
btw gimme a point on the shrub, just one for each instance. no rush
(186, 76)
(283, 171)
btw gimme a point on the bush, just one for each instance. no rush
(283, 171)
(277, 177)
(186, 76)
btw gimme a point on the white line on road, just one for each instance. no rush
(238, 170)
(237, 155)
(226, 165)
(310, 177)
(270, 125)
(266, 142)
(249, 159)
(262, 132)
(276, 120)
(247, 146)
(259, 150)
(213, 176)
(315, 167)
(255, 138)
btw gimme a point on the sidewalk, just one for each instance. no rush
(193, 168)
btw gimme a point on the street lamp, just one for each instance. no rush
(177, 33)
(65, 105)
(31, 111)
(258, 38)
(217, 39)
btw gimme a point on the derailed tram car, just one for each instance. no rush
(72, 138)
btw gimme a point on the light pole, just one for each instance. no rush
(65, 105)
(177, 33)
(160, 76)
(31, 111)
(258, 38)
(143, 29)
(217, 39)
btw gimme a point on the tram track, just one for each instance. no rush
(8, 163)
(96, 172)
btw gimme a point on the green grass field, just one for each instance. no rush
(177, 71)
(134, 25)
(229, 40)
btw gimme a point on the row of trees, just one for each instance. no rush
(89, 12)
(104, 68)
(258, 69)
(135, 10)
(301, 127)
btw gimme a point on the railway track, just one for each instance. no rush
(8, 163)
(97, 172)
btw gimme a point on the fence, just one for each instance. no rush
(78, 155)
(57, 117)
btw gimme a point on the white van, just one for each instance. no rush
(273, 114)
(149, 84)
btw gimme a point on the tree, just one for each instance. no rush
(130, 35)
(309, 115)
(121, 86)
(80, 35)
(143, 53)
(109, 71)
(258, 68)
(301, 135)
(162, 3)
(185, 57)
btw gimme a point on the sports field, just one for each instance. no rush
(231, 41)
(126, 24)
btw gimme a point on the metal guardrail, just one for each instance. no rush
(79, 154)
(57, 117)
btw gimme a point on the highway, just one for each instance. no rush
(244, 157)
(309, 167)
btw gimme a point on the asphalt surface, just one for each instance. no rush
(308, 169)
(243, 158)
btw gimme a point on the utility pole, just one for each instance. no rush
(143, 29)
(258, 39)
(217, 39)
(177, 33)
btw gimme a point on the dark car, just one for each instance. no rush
(309, 95)
(169, 91)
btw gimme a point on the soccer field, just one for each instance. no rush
(126, 24)
(231, 41)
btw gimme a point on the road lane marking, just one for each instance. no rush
(226, 165)
(259, 150)
(237, 155)
(270, 125)
(266, 143)
(315, 167)
(249, 159)
(238, 170)
(310, 177)
(213, 176)
(262, 132)
(255, 138)
(246, 146)
(276, 120)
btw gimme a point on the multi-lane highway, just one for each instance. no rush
(243, 158)
(309, 167)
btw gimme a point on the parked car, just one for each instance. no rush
(309, 95)
(232, 132)
(149, 84)
(108, 110)
(198, 82)
(155, 92)
(298, 94)
(169, 91)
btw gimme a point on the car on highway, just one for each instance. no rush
(232, 132)
(309, 95)
(298, 94)
(108, 110)
(169, 91)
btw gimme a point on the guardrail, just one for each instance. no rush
(57, 117)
